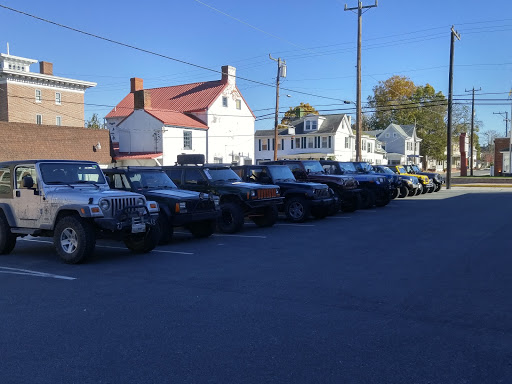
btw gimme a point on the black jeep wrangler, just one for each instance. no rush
(237, 199)
(198, 212)
(345, 187)
(301, 199)
(376, 190)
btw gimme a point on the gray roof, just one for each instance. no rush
(329, 125)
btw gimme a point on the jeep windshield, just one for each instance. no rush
(313, 167)
(415, 168)
(221, 174)
(348, 167)
(363, 167)
(71, 173)
(281, 172)
(150, 180)
(384, 170)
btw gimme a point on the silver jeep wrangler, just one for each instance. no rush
(71, 202)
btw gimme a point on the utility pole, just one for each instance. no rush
(454, 35)
(472, 126)
(359, 129)
(281, 72)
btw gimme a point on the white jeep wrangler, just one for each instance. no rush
(71, 202)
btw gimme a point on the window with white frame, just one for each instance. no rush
(409, 146)
(38, 96)
(264, 145)
(387, 134)
(394, 134)
(39, 119)
(297, 142)
(187, 139)
(363, 145)
(311, 142)
(238, 104)
(347, 142)
(324, 142)
(58, 98)
(224, 101)
(311, 125)
(58, 120)
(369, 149)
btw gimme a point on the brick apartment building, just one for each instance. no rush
(39, 97)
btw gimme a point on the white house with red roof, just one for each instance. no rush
(153, 126)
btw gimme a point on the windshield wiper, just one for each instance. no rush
(86, 182)
(59, 183)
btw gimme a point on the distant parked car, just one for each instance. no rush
(376, 189)
(436, 178)
(346, 188)
(300, 198)
(408, 185)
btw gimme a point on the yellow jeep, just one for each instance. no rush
(426, 184)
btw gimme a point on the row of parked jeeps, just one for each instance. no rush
(76, 202)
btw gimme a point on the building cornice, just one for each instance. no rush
(46, 80)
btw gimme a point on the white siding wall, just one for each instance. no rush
(173, 143)
(231, 130)
(112, 127)
(136, 133)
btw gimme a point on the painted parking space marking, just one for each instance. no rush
(232, 235)
(113, 247)
(154, 250)
(27, 272)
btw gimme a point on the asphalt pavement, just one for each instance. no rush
(415, 292)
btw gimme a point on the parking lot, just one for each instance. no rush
(415, 292)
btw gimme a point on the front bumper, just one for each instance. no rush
(179, 219)
(322, 202)
(264, 202)
(128, 219)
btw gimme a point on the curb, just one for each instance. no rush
(483, 185)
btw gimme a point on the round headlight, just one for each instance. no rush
(104, 205)
(141, 201)
(253, 193)
(277, 191)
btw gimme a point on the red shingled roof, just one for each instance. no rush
(178, 98)
(176, 118)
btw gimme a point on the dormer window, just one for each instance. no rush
(311, 125)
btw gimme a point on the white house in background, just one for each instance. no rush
(153, 126)
(400, 142)
(316, 137)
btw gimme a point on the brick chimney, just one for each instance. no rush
(136, 84)
(229, 74)
(46, 68)
(142, 99)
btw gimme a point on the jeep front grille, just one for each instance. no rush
(322, 193)
(266, 193)
(120, 203)
(200, 205)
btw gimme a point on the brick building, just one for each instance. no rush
(501, 155)
(31, 141)
(39, 97)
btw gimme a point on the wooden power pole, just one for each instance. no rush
(359, 129)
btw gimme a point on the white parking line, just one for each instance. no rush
(154, 250)
(112, 247)
(27, 272)
(230, 235)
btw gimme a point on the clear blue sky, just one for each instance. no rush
(316, 38)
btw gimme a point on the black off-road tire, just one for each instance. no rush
(143, 242)
(74, 239)
(425, 190)
(165, 228)
(438, 187)
(231, 219)
(404, 192)
(417, 191)
(268, 219)
(383, 201)
(352, 205)
(395, 193)
(7, 239)
(297, 209)
(202, 229)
